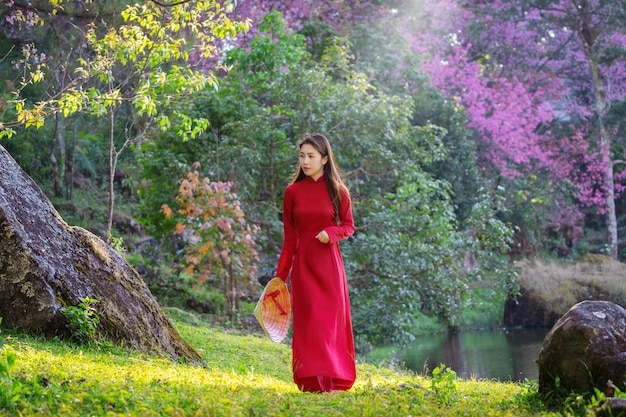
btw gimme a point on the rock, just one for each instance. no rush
(46, 265)
(611, 407)
(585, 349)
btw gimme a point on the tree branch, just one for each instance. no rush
(44, 8)
(178, 3)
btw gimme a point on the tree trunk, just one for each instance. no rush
(69, 169)
(46, 265)
(112, 167)
(59, 137)
(588, 35)
(58, 167)
(58, 145)
(233, 279)
(609, 184)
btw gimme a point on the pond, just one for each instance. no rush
(505, 355)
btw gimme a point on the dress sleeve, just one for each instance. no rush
(290, 239)
(346, 228)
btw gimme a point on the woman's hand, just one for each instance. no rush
(323, 237)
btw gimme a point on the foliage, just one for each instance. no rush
(138, 71)
(242, 375)
(461, 168)
(249, 142)
(11, 389)
(150, 38)
(537, 84)
(158, 268)
(384, 51)
(387, 271)
(443, 384)
(220, 242)
(415, 257)
(598, 404)
(48, 40)
(117, 243)
(399, 263)
(490, 239)
(431, 223)
(161, 162)
(302, 14)
(82, 319)
(274, 93)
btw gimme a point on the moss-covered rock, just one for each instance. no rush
(585, 350)
(46, 265)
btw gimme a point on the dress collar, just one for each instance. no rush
(321, 179)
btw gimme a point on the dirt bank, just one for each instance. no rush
(549, 289)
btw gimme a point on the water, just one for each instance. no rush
(505, 355)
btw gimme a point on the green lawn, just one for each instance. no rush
(243, 375)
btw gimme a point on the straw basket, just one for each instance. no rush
(273, 310)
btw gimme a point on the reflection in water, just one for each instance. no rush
(506, 355)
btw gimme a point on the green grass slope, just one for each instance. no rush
(242, 375)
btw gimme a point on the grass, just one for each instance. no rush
(561, 286)
(242, 375)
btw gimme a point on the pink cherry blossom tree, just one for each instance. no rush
(340, 15)
(526, 72)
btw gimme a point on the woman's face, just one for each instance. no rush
(311, 161)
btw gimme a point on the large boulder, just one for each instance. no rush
(585, 349)
(46, 265)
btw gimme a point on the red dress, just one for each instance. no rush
(323, 357)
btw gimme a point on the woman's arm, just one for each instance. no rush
(290, 237)
(346, 228)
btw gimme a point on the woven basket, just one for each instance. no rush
(273, 310)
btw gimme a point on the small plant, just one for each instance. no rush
(118, 244)
(443, 384)
(220, 241)
(9, 388)
(598, 403)
(82, 319)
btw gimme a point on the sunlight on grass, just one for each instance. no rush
(242, 375)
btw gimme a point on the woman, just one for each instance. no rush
(317, 214)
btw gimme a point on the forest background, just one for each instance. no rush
(471, 134)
